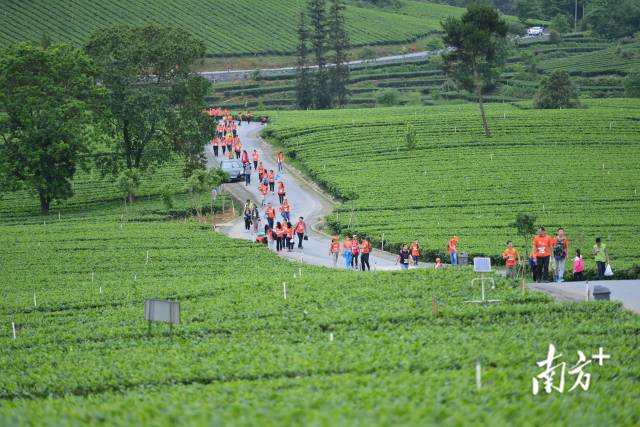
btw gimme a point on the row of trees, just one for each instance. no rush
(322, 86)
(126, 102)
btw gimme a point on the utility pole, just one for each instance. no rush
(575, 17)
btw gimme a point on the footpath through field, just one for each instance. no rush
(305, 201)
(625, 291)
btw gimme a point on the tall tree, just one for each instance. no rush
(157, 103)
(47, 96)
(478, 40)
(340, 45)
(304, 88)
(319, 43)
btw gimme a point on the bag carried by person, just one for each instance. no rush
(608, 272)
(558, 249)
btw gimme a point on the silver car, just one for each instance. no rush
(233, 168)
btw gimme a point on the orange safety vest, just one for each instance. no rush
(264, 190)
(286, 207)
(347, 244)
(270, 234)
(415, 250)
(248, 113)
(279, 232)
(271, 177)
(366, 247)
(280, 158)
(281, 189)
(215, 142)
(300, 227)
(354, 246)
(255, 156)
(290, 232)
(271, 213)
(261, 169)
(335, 247)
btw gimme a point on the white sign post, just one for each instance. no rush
(482, 265)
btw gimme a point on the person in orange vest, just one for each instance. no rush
(334, 250)
(281, 192)
(229, 140)
(347, 252)
(280, 231)
(452, 248)
(225, 112)
(415, 251)
(511, 259)
(269, 232)
(355, 249)
(290, 236)
(270, 214)
(542, 251)
(286, 210)
(301, 231)
(248, 115)
(264, 190)
(272, 181)
(220, 130)
(366, 250)
(280, 160)
(223, 145)
(260, 170)
(215, 146)
(255, 158)
(245, 158)
(238, 150)
(234, 128)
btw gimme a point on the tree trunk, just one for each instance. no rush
(130, 198)
(45, 201)
(478, 87)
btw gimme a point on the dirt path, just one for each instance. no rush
(305, 199)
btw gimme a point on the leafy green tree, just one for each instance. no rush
(48, 97)
(410, 136)
(478, 41)
(614, 18)
(201, 182)
(340, 44)
(561, 24)
(128, 182)
(304, 86)
(157, 104)
(632, 85)
(525, 224)
(556, 91)
(319, 43)
(388, 97)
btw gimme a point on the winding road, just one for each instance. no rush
(306, 200)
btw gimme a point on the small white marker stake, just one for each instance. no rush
(284, 289)
(586, 291)
(330, 336)
(92, 276)
(300, 272)
(100, 289)
(135, 277)
(35, 301)
(58, 215)
(120, 226)
(13, 327)
(478, 375)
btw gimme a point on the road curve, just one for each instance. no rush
(305, 200)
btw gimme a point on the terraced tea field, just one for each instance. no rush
(335, 351)
(262, 27)
(579, 169)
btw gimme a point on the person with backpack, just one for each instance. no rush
(403, 258)
(578, 266)
(246, 171)
(247, 217)
(255, 217)
(366, 250)
(560, 250)
(301, 230)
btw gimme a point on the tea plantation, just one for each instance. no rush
(243, 355)
(578, 169)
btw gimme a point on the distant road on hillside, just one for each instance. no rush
(236, 75)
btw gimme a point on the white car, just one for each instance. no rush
(535, 31)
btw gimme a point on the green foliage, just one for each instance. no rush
(525, 224)
(388, 97)
(156, 102)
(561, 24)
(340, 45)
(456, 182)
(632, 85)
(556, 91)
(614, 18)
(478, 39)
(166, 194)
(47, 99)
(128, 183)
(304, 86)
(319, 46)
(265, 26)
(410, 136)
(200, 184)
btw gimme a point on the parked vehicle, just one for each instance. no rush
(233, 168)
(535, 31)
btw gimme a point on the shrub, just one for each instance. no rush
(556, 91)
(388, 97)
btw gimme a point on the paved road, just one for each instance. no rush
(625, 291)
(305, 200)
